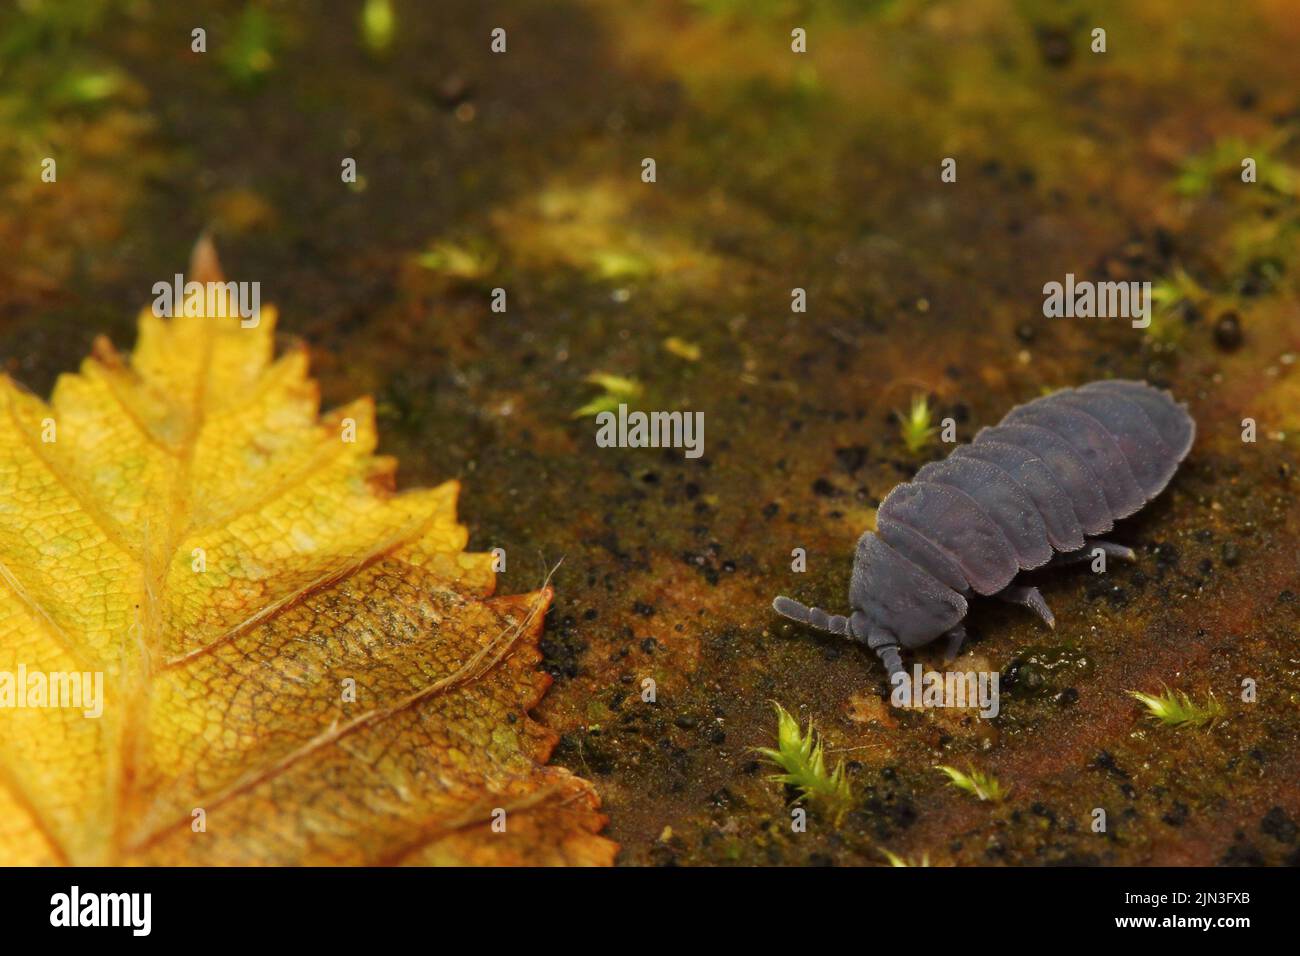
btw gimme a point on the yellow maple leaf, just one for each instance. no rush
(299, 664)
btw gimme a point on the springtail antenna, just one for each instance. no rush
(815, 616)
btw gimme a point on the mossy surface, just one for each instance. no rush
(774, 171)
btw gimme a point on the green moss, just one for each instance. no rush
(1168, 296)
(1177, 709)
(896, 860)
(984, 786)
(1199, 174)
(468, 261)
(609, 264)
(682, 349)
(916, 427)
(801, 757)
(377, 26)
(617, 391)
(249, 56)
(88, 86)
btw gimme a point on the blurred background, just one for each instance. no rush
(775, 170)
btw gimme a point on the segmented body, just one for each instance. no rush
(1053, 471)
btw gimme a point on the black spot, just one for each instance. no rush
(852, 457)
(1278, 825)
(1106, 761)
(825, 489)
(1242, 854)
(1261, 277)
(1227, 332)
(1054, 46)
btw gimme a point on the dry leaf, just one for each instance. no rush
(200, 536)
